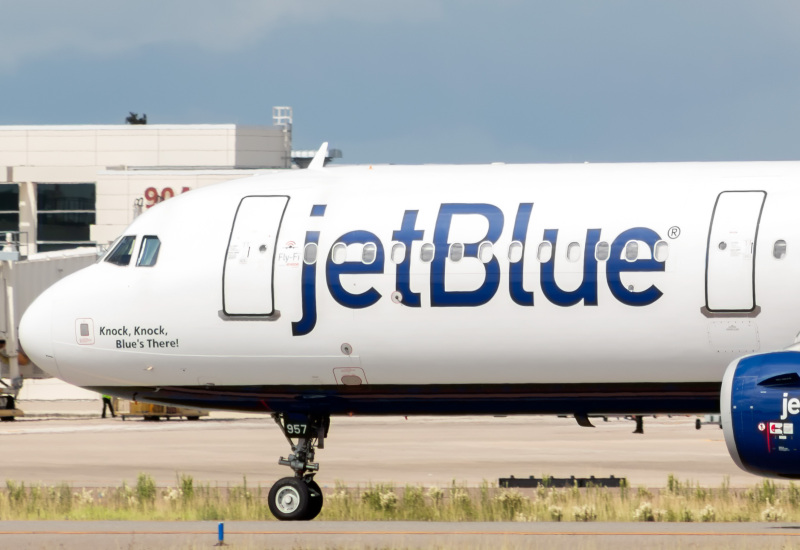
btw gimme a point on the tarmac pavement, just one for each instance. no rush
(79, 535)
(225, 447)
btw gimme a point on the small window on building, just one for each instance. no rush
(368, 253)
(65, 212)
(514, 252)
(148, 254)
(485, 252)
(398, 253)
(779, 249)
(456, 252)
(545, 252)
(339, 253)
(573, 252)
(426, 252)
(121, 254)
(601, 251)
(661, 251)
(9, 207)
(631, 251)
(310, 254)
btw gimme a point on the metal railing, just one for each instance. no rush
(11, 245)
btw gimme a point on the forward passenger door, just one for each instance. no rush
(247, 280)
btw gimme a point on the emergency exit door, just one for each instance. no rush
(247, 287)
(730, 257)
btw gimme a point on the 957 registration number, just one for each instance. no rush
(300, 426)
(297, 430)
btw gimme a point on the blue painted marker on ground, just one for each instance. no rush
(221, 541)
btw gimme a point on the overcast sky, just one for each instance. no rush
(425, 81)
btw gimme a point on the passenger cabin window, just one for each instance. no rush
(148, 255)
(661, 252)
(339, 253)
(545, 252)
(398, 253)
(514, 252)
(310, 254)
(631, 251)
(601, 251)
(456, 252)
(485, 252)
(779, 249)
(573, 252)
(121, 255)
(368, 253)
(426, 252)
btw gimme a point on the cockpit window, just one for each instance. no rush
(121, 255)
(148, 255)
(104, 251)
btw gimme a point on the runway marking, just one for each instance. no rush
(465, 533)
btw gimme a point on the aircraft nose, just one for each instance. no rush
(36, 334)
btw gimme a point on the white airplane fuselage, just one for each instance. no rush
(238, 313)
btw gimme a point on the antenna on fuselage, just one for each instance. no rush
(318, 162)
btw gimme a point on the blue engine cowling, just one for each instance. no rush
(760, 407)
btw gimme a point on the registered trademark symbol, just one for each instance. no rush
(674, 232)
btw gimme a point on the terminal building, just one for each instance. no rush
(74, 186)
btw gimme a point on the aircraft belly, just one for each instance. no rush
(456, 398)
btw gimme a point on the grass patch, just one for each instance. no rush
(677, 501)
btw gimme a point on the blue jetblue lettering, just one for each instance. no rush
(406, 235)
(335, 271)
(308, 291)
(587, 291)
(616, 265)
(516, 269)
(464, 298)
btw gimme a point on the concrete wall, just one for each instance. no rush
(256, 148)
(157, 145)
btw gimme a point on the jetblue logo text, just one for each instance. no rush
(790, 406)
(408, 233)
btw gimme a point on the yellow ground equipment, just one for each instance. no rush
(148, 411)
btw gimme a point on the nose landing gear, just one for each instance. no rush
(299, 498)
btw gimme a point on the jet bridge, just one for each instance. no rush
(22, 279)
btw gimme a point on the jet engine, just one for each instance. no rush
(760, 402)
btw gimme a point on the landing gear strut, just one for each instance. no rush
(299, 497)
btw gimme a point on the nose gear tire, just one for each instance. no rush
(315, 503)
(289, 499)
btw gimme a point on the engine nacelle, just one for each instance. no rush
(760, 407)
